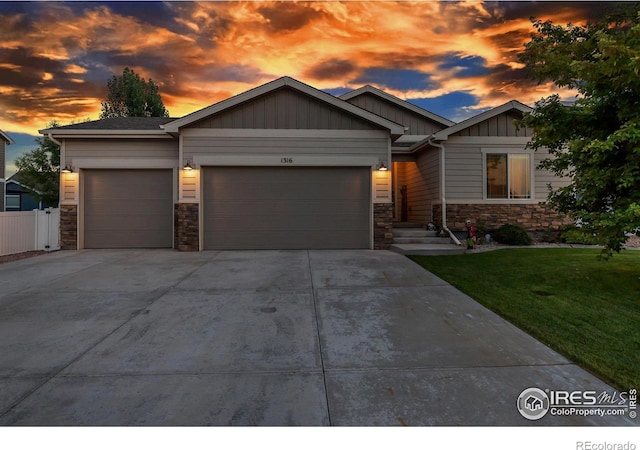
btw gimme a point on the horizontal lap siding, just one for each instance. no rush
(465, 178)
(2, 174)
(429, 166)
(121, 148)
(544, 177)
(377, 147)
(463, 172)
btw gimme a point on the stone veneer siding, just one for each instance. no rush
(382, 226)
(69, 227)
(186, 227)
(531, 217)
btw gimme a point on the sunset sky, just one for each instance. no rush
(453, 58)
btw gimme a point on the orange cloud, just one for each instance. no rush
(57, 57)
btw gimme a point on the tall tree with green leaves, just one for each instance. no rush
(596, 139)
(39, 169)
(132, 96)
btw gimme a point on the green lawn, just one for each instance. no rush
(586, 309)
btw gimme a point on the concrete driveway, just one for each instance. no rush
(132, 337)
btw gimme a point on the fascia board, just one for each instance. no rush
(6, 137)
(113, 134)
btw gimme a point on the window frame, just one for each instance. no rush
(508, 151)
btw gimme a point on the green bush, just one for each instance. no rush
(511, 234)
(572, 234)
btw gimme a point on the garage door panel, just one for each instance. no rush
(281, 208)
(264, 240)
(291, 224)
(128, 208)
(125, 239)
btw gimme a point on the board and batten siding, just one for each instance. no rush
(285, 108)
(417, 124)
(502, 125)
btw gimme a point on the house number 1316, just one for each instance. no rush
(286, 160)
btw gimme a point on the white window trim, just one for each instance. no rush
(507, 151)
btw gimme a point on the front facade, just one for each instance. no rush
(4, 141)
(285, 166)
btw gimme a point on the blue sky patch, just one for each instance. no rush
(468, 66)
(401, 79)
(452, 105)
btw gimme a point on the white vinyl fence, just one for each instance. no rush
(22, 231)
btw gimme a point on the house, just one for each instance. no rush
(533, 403)
(20, 197)
(4, 141)
(287, 166)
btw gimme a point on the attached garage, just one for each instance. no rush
(286, 207)
(128, 208)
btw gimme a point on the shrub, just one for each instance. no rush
(511, 234)
(572, 234)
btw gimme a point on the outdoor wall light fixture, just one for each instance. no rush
(188, 166)
(67, 169)
(382, 167)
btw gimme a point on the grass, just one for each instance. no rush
(586, 309)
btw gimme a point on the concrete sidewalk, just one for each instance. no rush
(157, 337)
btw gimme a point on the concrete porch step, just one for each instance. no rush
(421, 240)
(428, 249)
(407, 225)
(413, 232)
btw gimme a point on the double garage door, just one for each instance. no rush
(286, 207)
(242, 208)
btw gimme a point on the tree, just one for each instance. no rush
(39, 169)
(132, 96)
(595, 140)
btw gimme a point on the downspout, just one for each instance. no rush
(54, 140)
(443, 196)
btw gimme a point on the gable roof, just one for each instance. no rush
(174, 126)
(16, 178)
(399, 102)
(6, 137)
(513, 104)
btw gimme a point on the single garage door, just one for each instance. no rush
(286, 207)
(128, 208)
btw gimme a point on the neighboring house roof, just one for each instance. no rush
(402, 103)
(513, 104)
(5, 137)
(16, 178)
(130, 126)
(174, 126)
